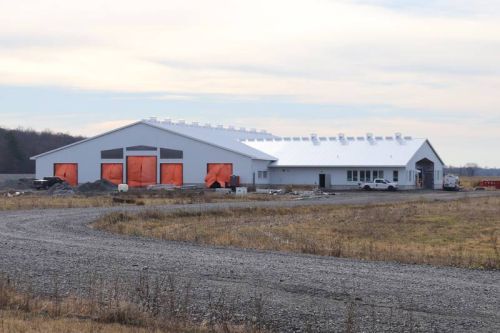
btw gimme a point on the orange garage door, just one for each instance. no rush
(218, 173)
(67, 172)
(141, 170)
(171, 173)
(112, 172)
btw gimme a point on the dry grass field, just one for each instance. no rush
(105, 311)
(462, 233)
(36, 201)
(472, 182)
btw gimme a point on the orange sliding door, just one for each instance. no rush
(112, 172)
(67, 172)
(218, 173)
(141, 171)
(171, 173)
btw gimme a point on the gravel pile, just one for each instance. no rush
(17, 184)
(97, 187)
(61, 189)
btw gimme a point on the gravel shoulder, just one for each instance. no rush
(298, 291)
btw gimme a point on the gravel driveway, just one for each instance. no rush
(299, 292)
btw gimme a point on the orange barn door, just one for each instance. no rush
(112, 172)
(171, 173)
(67, 172)
(141, 171)
(218, 173)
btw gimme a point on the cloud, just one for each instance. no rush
(316, 51)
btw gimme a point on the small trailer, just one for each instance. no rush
(451, 183)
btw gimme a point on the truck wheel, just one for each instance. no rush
(366, 188)
(390, 188)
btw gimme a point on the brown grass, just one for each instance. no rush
(461, 233)
(150, 309)
(40, 201)
(472, 182)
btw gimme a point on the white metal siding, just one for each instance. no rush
(196, 154)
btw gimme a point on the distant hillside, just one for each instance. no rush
(17, 146)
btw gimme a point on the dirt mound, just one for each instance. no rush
(97, 186)
(61, 189)
(17, 184)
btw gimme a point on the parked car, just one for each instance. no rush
(46, 182)
(379, 184)
(451, 183)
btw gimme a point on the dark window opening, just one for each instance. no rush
(141, 148)
(112, 153)
(171, 153)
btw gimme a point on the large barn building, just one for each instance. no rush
(151, 152)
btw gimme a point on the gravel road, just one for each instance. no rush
(299, 292)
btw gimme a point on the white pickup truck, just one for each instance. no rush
(379, 184)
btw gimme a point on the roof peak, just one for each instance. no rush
(182, 122)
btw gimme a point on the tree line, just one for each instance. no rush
(18, 145)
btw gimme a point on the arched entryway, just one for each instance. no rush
(425, 176)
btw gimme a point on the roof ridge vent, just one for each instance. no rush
(153, 119)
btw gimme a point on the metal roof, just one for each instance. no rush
(339, 151)
(225, 137)
(228, 138)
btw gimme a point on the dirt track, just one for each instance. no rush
(299, 291)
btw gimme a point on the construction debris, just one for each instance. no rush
(61, 189)
(98, 186)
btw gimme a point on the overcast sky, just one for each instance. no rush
(424, 68)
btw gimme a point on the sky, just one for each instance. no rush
(427, 68)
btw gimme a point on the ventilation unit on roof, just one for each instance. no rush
(408, 138)
(195, 123)
(230, 127)
(152, 119)
(369, 136)
(208, 125)
(181, 122)
(243, 129)
(398, 136)
(167, 121)
(220, 126)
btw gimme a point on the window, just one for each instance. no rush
(395, 176)
(379, 181)
(380, 174)
(367, 175)
(362, 175)
(170, 153)
(112, 153)
(141, 148)
(375, 174)
(261, 174)
(354, 175)
(409, 175)
(349, 175)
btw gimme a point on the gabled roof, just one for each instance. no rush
(224, 138)
(340, 152)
